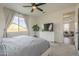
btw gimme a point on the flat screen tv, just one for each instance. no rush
(48, 27)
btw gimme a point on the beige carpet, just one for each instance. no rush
(61, 50)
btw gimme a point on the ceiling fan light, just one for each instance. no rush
(34, 7)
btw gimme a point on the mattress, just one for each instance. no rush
(23, 46)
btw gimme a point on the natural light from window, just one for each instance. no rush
(66, 27)
(18, 24)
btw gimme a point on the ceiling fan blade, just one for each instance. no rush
(40, 4)
(27, 6)
(32, 10)
(40, 9)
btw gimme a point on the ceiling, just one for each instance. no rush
(49, 7)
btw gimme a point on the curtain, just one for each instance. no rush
(27, 23)
(8, 18)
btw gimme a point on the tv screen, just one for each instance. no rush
(48, 27)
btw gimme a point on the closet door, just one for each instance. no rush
(78, 29)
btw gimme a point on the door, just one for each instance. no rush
(78, 29)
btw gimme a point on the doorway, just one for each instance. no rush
(69, 28)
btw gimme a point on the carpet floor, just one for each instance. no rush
(61, 50)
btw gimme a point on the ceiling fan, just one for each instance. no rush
(35, 6)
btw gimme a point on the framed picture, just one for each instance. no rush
(48, 27)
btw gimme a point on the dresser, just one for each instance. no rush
(47, 35)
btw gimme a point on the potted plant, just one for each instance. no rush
(35, 29)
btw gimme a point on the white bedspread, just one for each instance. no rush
(25, 46)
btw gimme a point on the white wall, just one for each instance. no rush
(2, 21)
(76, 25)
(72, 26)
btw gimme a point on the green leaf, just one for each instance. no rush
(35, 27)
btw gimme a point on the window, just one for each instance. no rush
(66, 27)
(18, 24)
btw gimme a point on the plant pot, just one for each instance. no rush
(35, 36)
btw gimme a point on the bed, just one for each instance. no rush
(23, 46)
